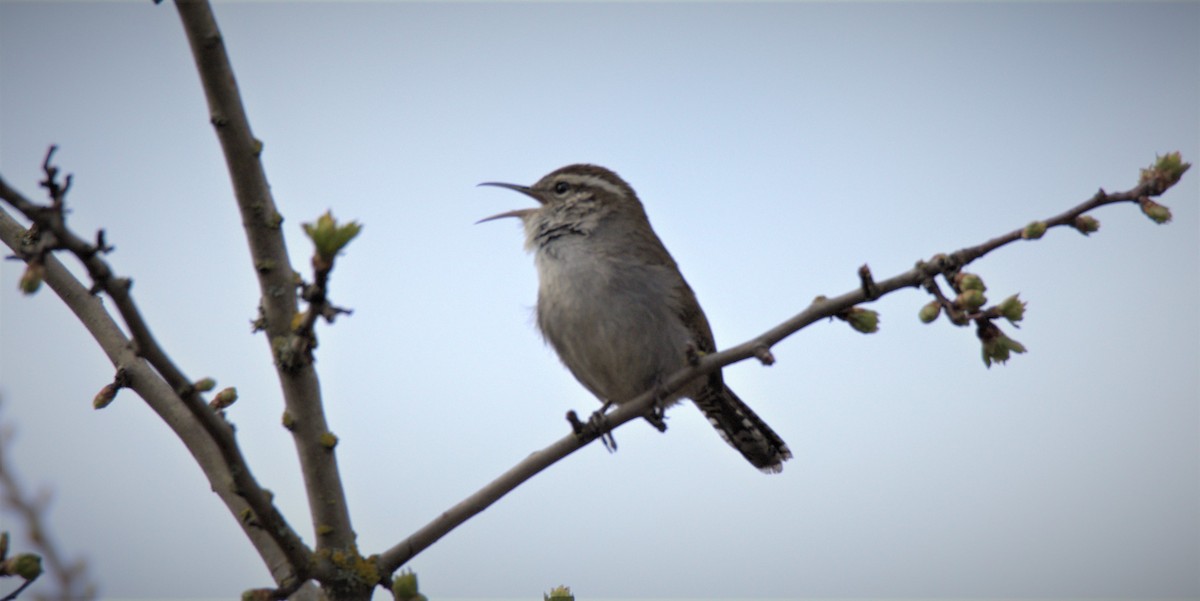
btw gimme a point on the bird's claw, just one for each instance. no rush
(596, 426)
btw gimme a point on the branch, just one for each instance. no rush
(1153, 183)
(208, 437)
(261, 221)
(72, 577)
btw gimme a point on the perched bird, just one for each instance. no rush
(616, 309)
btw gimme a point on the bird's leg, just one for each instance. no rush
(595, 427)
(657, 415)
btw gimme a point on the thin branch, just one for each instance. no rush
(757, 347)
(208, 437)
(261, 221)
(71, 576)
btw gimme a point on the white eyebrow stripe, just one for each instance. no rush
(592, 180)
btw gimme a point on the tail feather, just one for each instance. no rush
(743, 429)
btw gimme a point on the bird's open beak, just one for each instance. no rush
(526, 190)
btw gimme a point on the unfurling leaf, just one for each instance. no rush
(862, 320)
(329, 237)
(1013, 309)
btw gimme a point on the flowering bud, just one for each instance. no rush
(1034, 230)
(204, 384)
(930, 312)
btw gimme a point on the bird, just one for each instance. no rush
(616, 309)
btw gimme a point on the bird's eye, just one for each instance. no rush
(561, 187)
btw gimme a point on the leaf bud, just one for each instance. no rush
(31, 278)
(105, 397)
(224, 399)
(930, 311)
(970, 300)
(1012, 309)
(862, 320)
(1086, 224)
(1156, 212)
(969, 281)
(559, 593)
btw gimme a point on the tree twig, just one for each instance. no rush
(261, 221)
(209, 438)
(758, 347)
(71, 576)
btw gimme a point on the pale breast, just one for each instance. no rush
(615, 324)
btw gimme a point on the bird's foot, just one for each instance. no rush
(596, 426)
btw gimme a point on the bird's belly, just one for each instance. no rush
(612, 324)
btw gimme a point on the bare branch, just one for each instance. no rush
(208, 437)
(261, 221)
(758, 347)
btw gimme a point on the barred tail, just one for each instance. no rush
(743, 429)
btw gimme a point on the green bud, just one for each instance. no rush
(970, 300)
(328, 440)
(329, 237)
(204, 384)
(863, 320)
(258, 594)
(930, 311)
(404, 587)
(1034, 230)
(1156, 212)
(25, 565)
(289, 421)
(559, 593)
(1086, 224)
(224, 399)
(32, 277)
(1165, 172)
(997, 347)
(105, 397)
(1012, 309)
(969, 281)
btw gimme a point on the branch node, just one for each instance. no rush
(869, 288)
(764, 356)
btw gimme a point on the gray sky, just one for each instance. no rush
(777, 147)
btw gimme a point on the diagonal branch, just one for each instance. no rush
(757, 347)
(207, 437)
